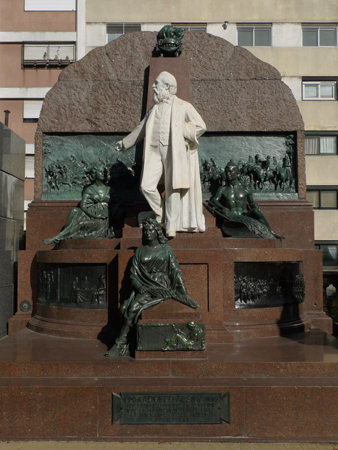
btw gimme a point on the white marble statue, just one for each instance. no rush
(171, 127)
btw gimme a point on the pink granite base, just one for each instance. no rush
(281, 388)
(207, 261)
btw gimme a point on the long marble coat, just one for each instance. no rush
(186, 126)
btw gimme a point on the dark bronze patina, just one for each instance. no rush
(142, 408)
(100, 206)
(80, 286)
(266, 164)
(190, 337)
(169, 41)
(235, 205)
(170, 336)
(268, 284)
(155, 277)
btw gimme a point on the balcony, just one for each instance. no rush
(48, 55)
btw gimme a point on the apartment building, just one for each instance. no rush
(298, 37)
(37, 40)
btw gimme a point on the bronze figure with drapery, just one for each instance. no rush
(99, 209)
(155, 276)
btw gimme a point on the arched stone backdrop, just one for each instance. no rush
(106, 92)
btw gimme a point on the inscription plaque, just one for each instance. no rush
(166, 408)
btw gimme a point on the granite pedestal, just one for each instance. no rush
(281, 389)
(208, 262)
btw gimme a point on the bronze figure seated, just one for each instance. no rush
(155, 277)
(100, 206)
(235, 205)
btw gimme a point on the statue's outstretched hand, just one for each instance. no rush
(119, 146)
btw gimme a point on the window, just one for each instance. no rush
(320, 145)
(322, 198)
(29, 161)
(191, 26)
(30, 149)
(49, 54)
(254, 36)
(50, 5)
(31, 110)
(330, 253)
(319, 36)
(313, 197)
(115, 30)
(26, 203)
(319, 90)
(29, 166)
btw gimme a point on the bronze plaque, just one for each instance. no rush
(145, 408)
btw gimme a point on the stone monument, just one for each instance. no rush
(206, 369)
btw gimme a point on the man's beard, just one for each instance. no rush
(159, 97)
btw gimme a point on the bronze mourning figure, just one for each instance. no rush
(99, 208)
(235, 205)
(155, 276)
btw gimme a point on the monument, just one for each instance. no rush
(182, 320)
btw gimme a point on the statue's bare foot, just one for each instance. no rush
(118, 350)
(51, 241)
(278, 236)
(48, 241)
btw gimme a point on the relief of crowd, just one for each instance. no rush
(257, 172)
(75, 173)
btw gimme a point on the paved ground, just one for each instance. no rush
(51, 445)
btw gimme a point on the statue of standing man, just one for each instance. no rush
(172, 127)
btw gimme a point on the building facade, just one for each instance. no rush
(38, 38)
